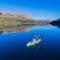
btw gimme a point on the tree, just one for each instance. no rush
(58, 19)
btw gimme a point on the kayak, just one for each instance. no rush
(33, 43)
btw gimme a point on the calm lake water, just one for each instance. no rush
(13, 45)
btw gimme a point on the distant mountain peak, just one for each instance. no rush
(6, 14)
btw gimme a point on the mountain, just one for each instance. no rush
(18, 22)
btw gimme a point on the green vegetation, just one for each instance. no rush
(8, 22)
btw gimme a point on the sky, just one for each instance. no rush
(38, 9)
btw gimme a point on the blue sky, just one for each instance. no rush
(38, 9)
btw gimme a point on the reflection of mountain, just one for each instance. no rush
(13, 26)
(56, 23)
(7, 26)
(16, 29)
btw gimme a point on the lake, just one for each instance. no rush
(13, 45)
